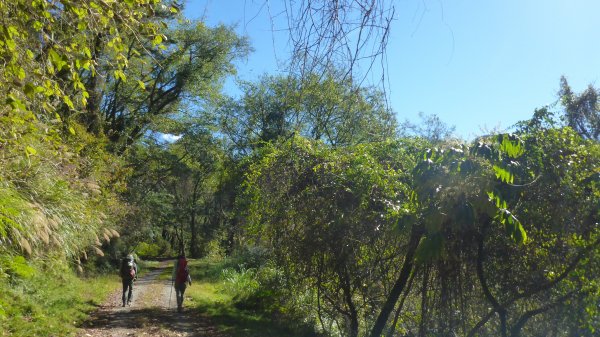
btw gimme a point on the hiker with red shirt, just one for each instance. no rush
(181, 275)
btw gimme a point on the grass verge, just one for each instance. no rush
(48, 302)
(208, 296)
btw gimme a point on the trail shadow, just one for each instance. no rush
(93, 303)
(153, 319)
(236, 322)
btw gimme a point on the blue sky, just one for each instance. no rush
(478, 65)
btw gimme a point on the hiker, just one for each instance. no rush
(181, 277)
(128, 274)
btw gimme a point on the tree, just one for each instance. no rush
(174, 188)
(582, 112)
(328, 215)
(431, 128)
(59, 184)
(183, 74)
(329, 109)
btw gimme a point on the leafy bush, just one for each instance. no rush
(255, 288)
(149, 250)
(249, 257)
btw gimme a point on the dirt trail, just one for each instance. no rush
(149, 315)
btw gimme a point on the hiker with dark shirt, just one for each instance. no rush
(181, 277)
(128, 274)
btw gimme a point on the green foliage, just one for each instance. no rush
(49, 49)
(212, 295)
(320, 107)
(46, 299)
(328, 215)
(150, 250)
(53, 199)
(581, 111)
(162, 85)
(16, 267)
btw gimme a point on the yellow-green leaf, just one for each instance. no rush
(29, 89)
(30, 151)
(87, 52)
(120, 75)
(68, 102)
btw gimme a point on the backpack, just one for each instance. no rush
(182, 271)
(127, 269)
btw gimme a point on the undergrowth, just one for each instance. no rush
(46, 298)
(243, 302)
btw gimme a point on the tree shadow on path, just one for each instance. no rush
(150, 322)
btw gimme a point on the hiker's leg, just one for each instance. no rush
(130, 292)
(183, 286)
(179, 291)
(178, 294)
(125, 286)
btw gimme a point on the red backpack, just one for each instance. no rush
(182, 271)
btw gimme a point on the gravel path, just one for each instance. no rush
(149, 315)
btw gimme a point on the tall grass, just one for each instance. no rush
(46, 299)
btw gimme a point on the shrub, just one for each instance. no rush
(255, 288)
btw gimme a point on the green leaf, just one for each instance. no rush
(11, 44)
(503, 174)
(157, 39)
(15, 103)
(142, 85)
(87, 52)
(511, 145)
(29, 89)
(68, 102)
(513, 226)
(30, 151)
(72, 131)
(120, 75)
(56, 59)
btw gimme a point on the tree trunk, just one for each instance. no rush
(193, 235)
(92, 117)
(388, 307)
(424, 289)
(353, 314)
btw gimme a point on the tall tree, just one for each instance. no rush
(582, 111)
(185, 72)
(326, 108)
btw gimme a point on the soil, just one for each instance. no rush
(152, 313)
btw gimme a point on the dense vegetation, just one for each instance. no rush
(115, 137)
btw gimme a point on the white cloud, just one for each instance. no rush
(169, 137)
